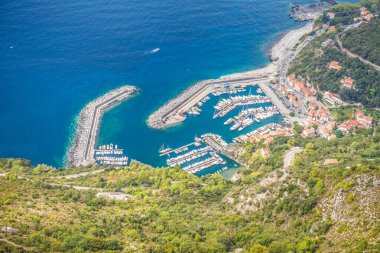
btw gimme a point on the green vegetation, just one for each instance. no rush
(341, 114)
(364, 41)
(171, 211)
(344, 14)
(312, 64)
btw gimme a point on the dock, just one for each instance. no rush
(172, 113)
(177, 150)
(81, 151)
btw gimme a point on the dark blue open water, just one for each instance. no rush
(56, 56)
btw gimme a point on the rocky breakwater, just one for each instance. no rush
(170, 114)
(173, 112)
(81, 151)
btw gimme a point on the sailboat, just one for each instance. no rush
(163, 149)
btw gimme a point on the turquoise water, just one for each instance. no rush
(56, 56)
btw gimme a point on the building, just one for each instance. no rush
(330, 161)
(321, 114)
(348, 125)
(300, 87)
(308, 132)
(268, 137)
(369, 16)
(363, 11)
(347, 82)
(365, 121)
(326, 130)
(331, 15)
(332, 98)
(309, 123)
(265, 152)
(295, 83)
(293, 100)
(313, 105)
(335, 65)
(332, 28)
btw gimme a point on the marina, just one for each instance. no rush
(174, 112)
(248, 108)
(226, 105)
(203, 153)
(110, 155)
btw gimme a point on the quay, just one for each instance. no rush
(172, 113)
(82, 148)
(177, 150)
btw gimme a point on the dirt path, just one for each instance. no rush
(353, 55)
(16, 245)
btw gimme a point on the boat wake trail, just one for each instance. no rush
(156, 50)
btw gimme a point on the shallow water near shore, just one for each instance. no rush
(58, 56)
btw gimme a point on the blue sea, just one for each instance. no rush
(56, 56)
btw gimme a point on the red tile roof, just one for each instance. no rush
(335, 65)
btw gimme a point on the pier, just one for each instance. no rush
(172, 113)
(82, 148)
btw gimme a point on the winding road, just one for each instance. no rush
(290, 155)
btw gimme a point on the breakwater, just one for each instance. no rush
(172, 113)
(81, 151)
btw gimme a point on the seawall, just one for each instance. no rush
(81, 151)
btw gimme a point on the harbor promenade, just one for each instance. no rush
(172, 113)
(82, 147)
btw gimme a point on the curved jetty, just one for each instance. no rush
(81, 151)
(172, 113)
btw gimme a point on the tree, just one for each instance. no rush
(258, 248)
(297, 128)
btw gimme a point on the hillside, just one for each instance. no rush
(310, 206)
(313, 65)
(364, 41)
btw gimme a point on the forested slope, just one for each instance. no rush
(364, 41)
(308, 207)
(312, 64)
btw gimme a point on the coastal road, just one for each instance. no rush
(290, 155)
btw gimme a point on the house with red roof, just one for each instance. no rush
(335, 65)
(348, 125)
(313, 105)
(365, 121)
(293, 100)
(347, 82)
(326, 130)
(265, 152)
(331, 15)
(309, 132)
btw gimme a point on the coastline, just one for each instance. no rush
(171, 113)
(82, 146)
